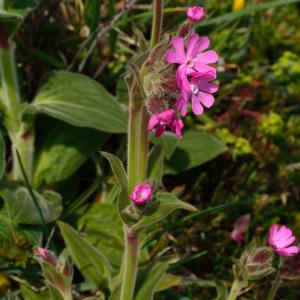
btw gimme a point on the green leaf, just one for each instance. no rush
(62, 149)
(117, 168)
(195, 149)
(121, 179)
(244, 12)
(22, 209)
(80, 101)
(2, 156)
(104, 229)
(168, 281)
(148, 280)
(221, 290)
(29, 294)
(142, 42)
(160, 209)
(168, 140)
(92, 264)
(13, 12)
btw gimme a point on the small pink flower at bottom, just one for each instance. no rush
(166, 119)
(141, 193)
(42, 251)
(200, 91)
(47, 256)
(281, 239)
(196, 13)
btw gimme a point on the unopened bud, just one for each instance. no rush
(155, 105)
(169, 84)
(257, 262)
(58, 272)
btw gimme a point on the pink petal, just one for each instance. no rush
(284, 232)
(42, 251)
(181, 78)
(283, 242)
(202, 83)
(203, 43)
(207, 57)
(290, 251)
(172, 58)
(206, 99)
(167, 116)
(236, 236)
(179, 126)
(181, 104)
(178, 45)
(272, 233)
(196, 105)
(202, 68)
(152, 122)
(159, 130)
(191, 46)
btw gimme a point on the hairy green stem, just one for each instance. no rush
(137, 167)
(275, 287)
(143, 146)
(157, 22)
(131, 256)
(234, 291)
(21, 135)
(132, 142)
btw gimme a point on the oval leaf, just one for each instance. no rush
(104, 229)
(62, 149)
(92, 264)
(161, 208)
(149, 279)
(195, 149)
(80, 101)
(22, 209)
(121, 179)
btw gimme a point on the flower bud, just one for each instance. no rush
(195, 13)
(240, 226)
(257, 262)
(58, 272)
(141, 193)
(155, 105)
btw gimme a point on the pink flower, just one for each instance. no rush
(42, 251)
(163, 120)
(240, 226)
(195, 13)
(281, 240)
(47, 256)
(141, 193)
(191, 58)
(201, 90)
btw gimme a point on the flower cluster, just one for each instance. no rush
(193, 80)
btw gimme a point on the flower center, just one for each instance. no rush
(190, 63)
(194, 89)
